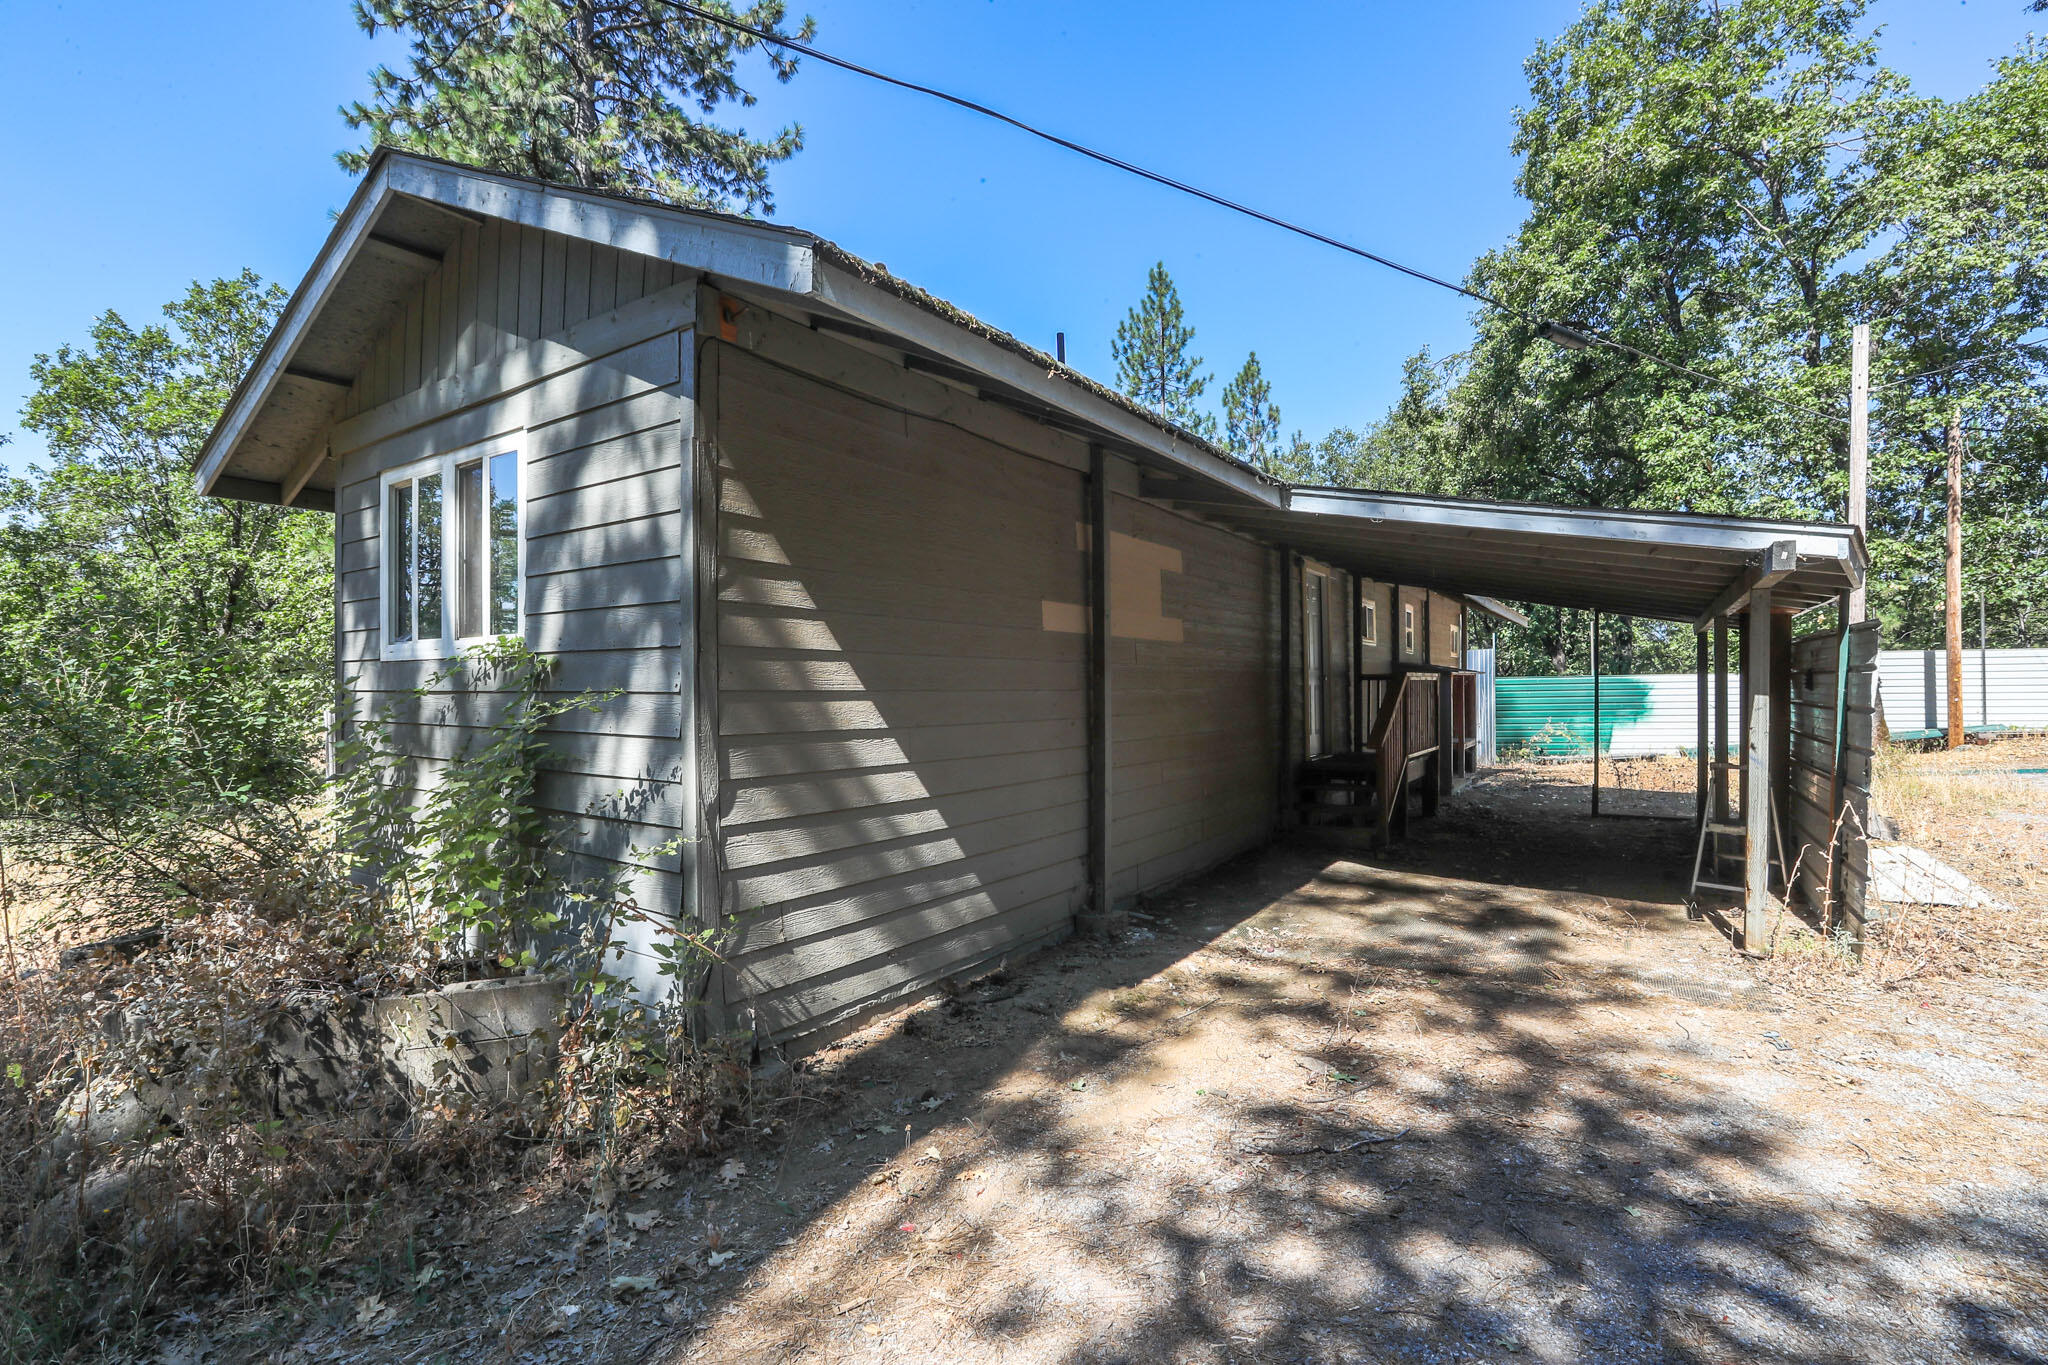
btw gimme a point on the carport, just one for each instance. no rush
(1779, 804)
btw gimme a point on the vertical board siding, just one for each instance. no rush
(500, 284)
(604, 479)
(902, 741)
(1811, 817)
(1192, 721)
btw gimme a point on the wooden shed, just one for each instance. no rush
(927, 647)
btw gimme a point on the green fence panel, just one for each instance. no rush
(1640, 715)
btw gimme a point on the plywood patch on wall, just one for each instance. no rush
(1137, 592)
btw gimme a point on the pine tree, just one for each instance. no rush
(593, 93)
(1153, 364)
(1251, 421)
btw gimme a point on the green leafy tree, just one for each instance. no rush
(163, 656)
(607, 94)
(1153, 360)
(1732, 186)
(1251, 420)
(1959, 290)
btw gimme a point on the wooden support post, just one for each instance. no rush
(1757, 776)
(1593, 643)
(1702, 808)
(1289, 573)
(1359, 720)
(1859, 444)
(1952, 612)
(1739, 759)
(1446, 741)
(1722, 811)
(1101, 919)
(1780, 790)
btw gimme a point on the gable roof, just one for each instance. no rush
(410, 210)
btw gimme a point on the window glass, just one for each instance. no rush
(451, 551)
(398, 559)
(427, 556)
(504, 544)
(472, 562)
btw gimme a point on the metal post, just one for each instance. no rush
(1757, 784)
(1595, 652)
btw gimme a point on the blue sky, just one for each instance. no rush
(148, 144)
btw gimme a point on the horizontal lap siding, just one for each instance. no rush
(902, 742)
(603, 459)
(1193, 723)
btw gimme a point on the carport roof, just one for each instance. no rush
(1681, 566)
(269, 444)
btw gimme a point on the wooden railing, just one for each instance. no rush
(1406, 728)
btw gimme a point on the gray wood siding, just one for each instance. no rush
(606, 450)
(1193, 721)
(901, 750)
(1810, 816)
(499, 286)
(1443, 631)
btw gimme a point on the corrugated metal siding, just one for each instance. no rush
(1914, 684)
(1654, 713)
(1640, 714)
(1192, 719)
(1480, 661)
(903, 741)
(604, 454)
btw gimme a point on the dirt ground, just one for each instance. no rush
(1490, 1096)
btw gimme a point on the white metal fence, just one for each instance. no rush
(1480, 661)
(2000, 687)
(1657, 713)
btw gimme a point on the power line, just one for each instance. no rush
(1572, 338)
(1959, 365)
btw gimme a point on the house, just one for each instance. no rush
(927, 647)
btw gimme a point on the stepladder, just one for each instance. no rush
(1710, 855)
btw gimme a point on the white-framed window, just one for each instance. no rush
(454, 552)
(1369, 623)
(1407, 627)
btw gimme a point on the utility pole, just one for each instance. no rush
(1953, 611)
(1859, 450)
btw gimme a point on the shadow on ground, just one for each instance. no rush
(1488, 1096)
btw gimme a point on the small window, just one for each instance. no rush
(1369, 623)
(451, 553)
(1407, 627)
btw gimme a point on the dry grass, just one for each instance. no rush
(1969, 808)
